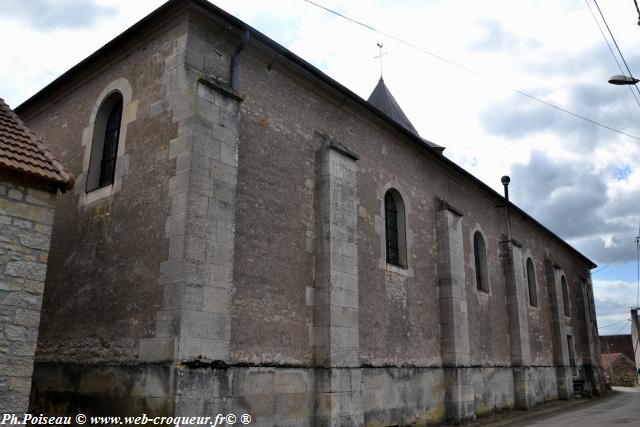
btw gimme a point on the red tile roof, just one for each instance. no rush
(617, 344)
(608, 359)
(22, 151)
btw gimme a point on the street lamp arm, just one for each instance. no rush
(621, 79)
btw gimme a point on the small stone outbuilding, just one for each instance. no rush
(30, 177)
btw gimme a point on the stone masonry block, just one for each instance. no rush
(193, 324)
(206, 93)
(26, 211)
(179, 203)
(221, 210)
(202, 184)
(195, 248)
(216, 300)
(254, 382)
(167, 324)
(291, 381)
(196, 348)
(176, 225)
(157, 349)
(35, 240)
(176, 248)
(218, 326)
(179, 183)
(219, 253)
(183, 296)
(181, 146)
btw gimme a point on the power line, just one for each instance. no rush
(614, 323)
(620, 330)
(598, 270)
(468, 70)
(602, 268)
(615, 58)
(615, 43)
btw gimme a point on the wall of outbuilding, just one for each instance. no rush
(26, 216)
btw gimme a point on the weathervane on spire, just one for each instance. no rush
(380, 56)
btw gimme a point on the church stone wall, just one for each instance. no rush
(242, 266)
(102, 288)
(103, 291)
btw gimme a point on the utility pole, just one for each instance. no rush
(638, 267)
(634, 312)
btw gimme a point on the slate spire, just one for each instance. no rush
(382, 99)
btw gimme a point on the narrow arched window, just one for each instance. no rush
(531, 281)
(480, 261)
(104, 146)
(395, 234)
(565, 296)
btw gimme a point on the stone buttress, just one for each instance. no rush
(454, 323)
(512, 265)
(338, 382)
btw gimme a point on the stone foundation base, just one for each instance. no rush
(286, 396)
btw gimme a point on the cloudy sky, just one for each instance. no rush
(582, 181)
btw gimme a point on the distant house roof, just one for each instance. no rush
(23, 152)
(611, 358)
(617, 344)
(382, 99)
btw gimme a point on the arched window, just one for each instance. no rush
(394, 221)
(104, 146)
(565, 296)
(480, 259)
(531, 281)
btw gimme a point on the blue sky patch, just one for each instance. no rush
(621, 173)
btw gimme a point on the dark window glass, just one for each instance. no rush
(110, 147)
(391, 229)
(531, 281)
(572, 356)
(479, 255)
(565, 296)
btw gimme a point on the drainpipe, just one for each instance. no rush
(505, 181)
(234, 60)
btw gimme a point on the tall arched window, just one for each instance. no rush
(531, 281)
(480, 260)
(395, 230)
(565, 296)
(104, 146)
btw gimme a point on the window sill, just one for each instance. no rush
(408, 272)
(482, 293)
(95, 195)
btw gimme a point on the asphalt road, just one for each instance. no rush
(623, 408)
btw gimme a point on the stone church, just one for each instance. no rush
(248, 236)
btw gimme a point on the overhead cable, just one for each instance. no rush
(615, 43)
(468, 70)
(599, 269)
(614, 323)
(615, 58)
